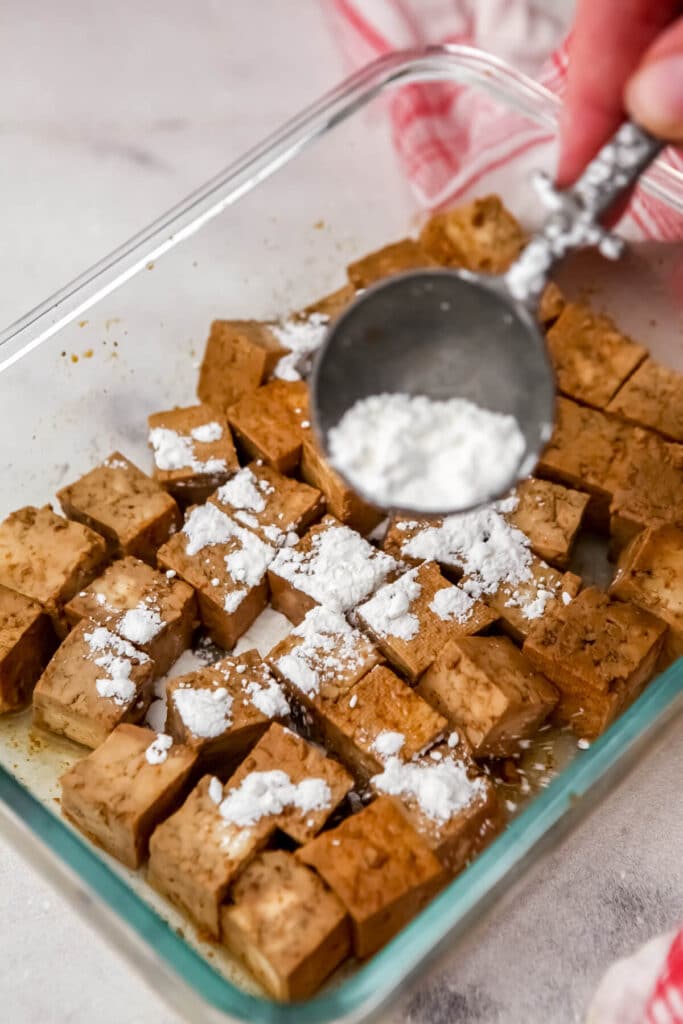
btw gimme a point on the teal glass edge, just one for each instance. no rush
(379, 979)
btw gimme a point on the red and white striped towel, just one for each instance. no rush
(449, 139)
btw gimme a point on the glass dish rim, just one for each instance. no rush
(380, 978)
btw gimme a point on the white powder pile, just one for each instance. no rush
(207, 433)
(189, 661)
(176, 451)
(215, 789)
(117, 657)
(339, 571)
(406, 451)
(388, 612)
(302, 338)
(157, 751)
(440, 788)
(388, 744)
(205, 711)
(205, 527)
(245, 492)
(452, 603)
(140, 625)
(327, 646)
(262, 794)
(268, 698)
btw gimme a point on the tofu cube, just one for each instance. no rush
(272, 505)
(412, 618)
(27, 641)
(285, 925)
(481, 236)
(523, 602)
(380, 868)
(240, 355)
(332, 566)
(226, 564)
(132, 512)
(119, 793)
(220, 711)
(193, 452)
(650, 575)
(652, 397)
(95, 681)
(341, 501)
(592, 358)
(142, 605)
(600, 654)
(485, 687)
(649, 492)
(407, 254)
(270, 423)
(550, 515)
(48, 558)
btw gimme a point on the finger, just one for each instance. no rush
(609, 39)
(654, 95)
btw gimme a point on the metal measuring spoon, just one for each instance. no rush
(450, 333)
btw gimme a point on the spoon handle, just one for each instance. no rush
(574, 214)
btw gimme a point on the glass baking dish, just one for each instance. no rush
(79, 374)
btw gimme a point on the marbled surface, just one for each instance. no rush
(110, 115)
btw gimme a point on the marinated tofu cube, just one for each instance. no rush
(332, 305)
(95, 681)
(223, 709)
(521, 603)
(600, 654)
(342, 502)
(195, 854)
(652, 397)
(382, 871)
(592, 358)
(48, 558)
(226, 564)
(550, 515)
(142, 605)
(551, 305)
(650, 575)
(193, 452)
(428, 546)
(272, 505)
(649, 492)
(132, 512)
(270, 424)
(119, 793)
(285, 925)
(487, 688)
(453, 807)
(240, 355)
(481, 236)
(332, 566)
(407, 254)
(27, 641)
(412, 618)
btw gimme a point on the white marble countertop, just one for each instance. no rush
(110, 115)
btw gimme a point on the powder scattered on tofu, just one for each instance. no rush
(205, 711)
(302, 338)
(329, 646)
(388, 612)
(262, 794)
(389, 744)
(116, 656)
(176, 451)
(157, 751)
(140, 625)
(440, 788)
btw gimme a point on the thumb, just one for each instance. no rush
(654, 94)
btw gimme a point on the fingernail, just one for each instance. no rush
(654, 97)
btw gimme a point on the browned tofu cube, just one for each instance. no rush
(195, 854)
(133, 513)
(270, 423)
(342, 502)
(226, 564)
(453, 807)
(322, 656)
(285, 925)
(331, 305)
(95, 681)
(272, 505)
(592, 358)
(481, 235)
(650, 574)
(652, 397)
(223, 709)
(332, 566)
(48, 558)
(240, 355)
(380, 868)
(390, 259)
(649, 492)
(142, 605)
(550, 515)
(193, 452)
(521, 603)
(120, 792)
(600, 654)
(412, 618)
(402, 530)
(551, 305)
(487, 688)
(27, 641)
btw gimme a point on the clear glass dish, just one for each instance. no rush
(78, 376)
